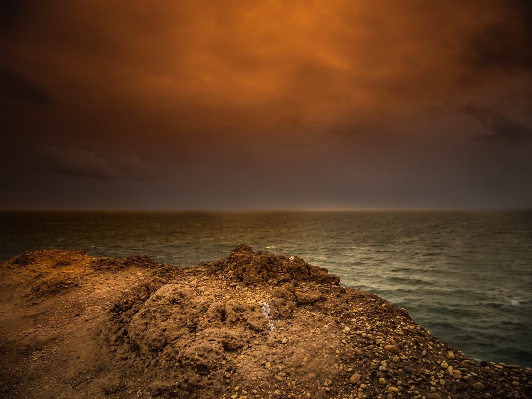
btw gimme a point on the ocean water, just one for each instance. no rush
(464, 275)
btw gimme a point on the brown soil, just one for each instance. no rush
(74, 326)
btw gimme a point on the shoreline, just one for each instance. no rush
(79, 326)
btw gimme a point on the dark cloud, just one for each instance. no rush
(500, 126)
(15, 86)
(502, 43)
(72, 161)
(11, 11)
(134, 168)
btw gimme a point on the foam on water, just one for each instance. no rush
(466, 276)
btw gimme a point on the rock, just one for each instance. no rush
(444, 365)
(355, 378)
(382, 381)
(255, 267)
(157, 388)
(478, 386)
(307, 298)
(392, 348)
(450, 355)
(231, 344)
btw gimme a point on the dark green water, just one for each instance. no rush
(466, 276)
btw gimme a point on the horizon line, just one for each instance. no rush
(264, 210)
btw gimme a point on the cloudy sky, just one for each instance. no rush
(120, 104)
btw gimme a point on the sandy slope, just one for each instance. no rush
(75, 326)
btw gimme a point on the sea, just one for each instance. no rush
(464, 275)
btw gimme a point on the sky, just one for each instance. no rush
(244, 105)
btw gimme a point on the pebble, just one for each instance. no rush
(382, 381)
(355, 378)
(444, 365)
(392, 349)
(434, 395)
(450, 355)
(478, 386)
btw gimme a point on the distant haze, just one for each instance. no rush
(119, 104)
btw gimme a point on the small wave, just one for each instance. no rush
(403, 269)
(409, 280)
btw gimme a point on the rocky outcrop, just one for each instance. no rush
(252, 325)
(244, 265)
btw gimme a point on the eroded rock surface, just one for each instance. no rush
(253, 325)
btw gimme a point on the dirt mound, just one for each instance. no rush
(179, 335)
(249, 267)
(49, 257)
(107, 263)
(52, 286)
(251, 326)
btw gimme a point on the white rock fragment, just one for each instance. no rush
(266, 313)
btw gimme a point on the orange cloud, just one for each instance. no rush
(306, 86)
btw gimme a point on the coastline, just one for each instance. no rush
(78, 326)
